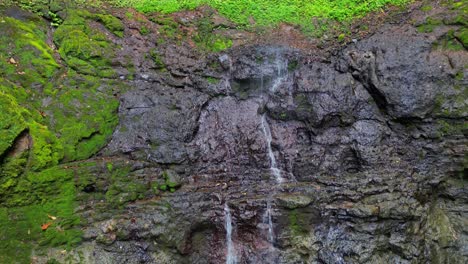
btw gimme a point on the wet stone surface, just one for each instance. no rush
(368, 143)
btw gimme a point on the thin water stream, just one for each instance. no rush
(231, 257)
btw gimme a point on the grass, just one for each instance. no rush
(313, 18)
(268, 12)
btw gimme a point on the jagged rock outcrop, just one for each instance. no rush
(371, 143)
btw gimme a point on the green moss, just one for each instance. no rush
(341, 37)
(144, 30)
(212, 80)
(109, 166)
(112, 23)
(168, 28)
(449, 41)
(61, 116)
(426, 8)
(462, 36)
(123, 188)
(297, 223)
(460, 76)
(292, 65)
(25, 43)
(220, 43)
(448, 128)
(440, 228)
(429, 25)
(158, 62)
(12, 122)
(85, 49)
(47, 150)
(56, 19)
(39, 196)
(84, 116)
(207, 40)
(129, 15)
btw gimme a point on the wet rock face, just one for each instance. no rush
(157, 122)
(367, 142)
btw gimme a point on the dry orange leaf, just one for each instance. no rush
(45, 226)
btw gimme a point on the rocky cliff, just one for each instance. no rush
(124, 141)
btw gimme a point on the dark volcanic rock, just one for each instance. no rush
(371, 144)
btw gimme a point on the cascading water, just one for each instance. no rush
(281, 73)
(267, 216)
(230, 254)
(275, 171)
(273, 165)
(281, 76)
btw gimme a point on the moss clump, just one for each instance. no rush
(207, 40)
(158, 62)
(429, 25)
(462, 36)
(449, 128)
(84, 115)
(12, 122)
(450, 41)
(426, 8)
(112, 23)
(15, 122)
(85, 49)
(212, 80)
(47, 150)
(123, 188)
(292, 65)
(297, 223)
(144, 30)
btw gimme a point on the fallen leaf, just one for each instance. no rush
(45, 226)
(21, 73)
(12, 61)
(63, 251)
(51, 216)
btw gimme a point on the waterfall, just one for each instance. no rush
(231, 254)
(281, 72)
(279, 79)
(267, 218)
(273, 166)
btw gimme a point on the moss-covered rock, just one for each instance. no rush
(47, 197)
(84, 115)
(12, 122)
(209, 40)
(123, 188)
(112, 23)
(85, 49)
(462, 36)
(25, 57)
(50, 114)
